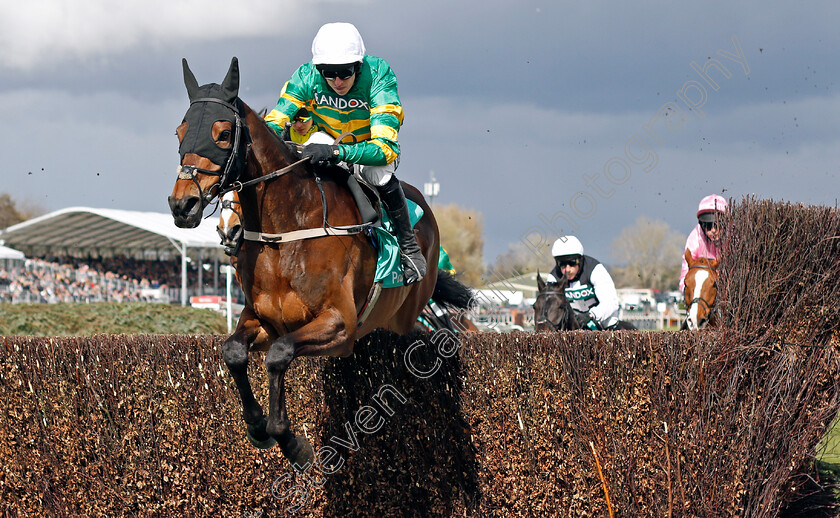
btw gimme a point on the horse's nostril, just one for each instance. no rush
(188, 204)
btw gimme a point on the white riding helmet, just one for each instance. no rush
(337, 44)
(567, 245)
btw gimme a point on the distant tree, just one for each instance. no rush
(9, 214)
(462, 236)
(28, 209)
(12, 212)
(526, 256)
(648, 254)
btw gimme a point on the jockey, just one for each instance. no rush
(444, 264)
(704, 240)
(346, 90)
(591, 291)
(302, 127)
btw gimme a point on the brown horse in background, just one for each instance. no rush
(309, 278)
(230, 224)
(700, 292)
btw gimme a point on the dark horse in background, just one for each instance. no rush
(309, 292)
(553, 312)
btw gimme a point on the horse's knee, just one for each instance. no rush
(235, 354)
(281, 428)
(279, 356)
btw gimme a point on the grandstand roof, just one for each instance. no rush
(8, 253)
(107, 232)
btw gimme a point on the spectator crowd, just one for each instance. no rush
(117, 279)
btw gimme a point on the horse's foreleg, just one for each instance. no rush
(235, 354)
(325, 335)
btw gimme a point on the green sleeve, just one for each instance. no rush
(386, 117)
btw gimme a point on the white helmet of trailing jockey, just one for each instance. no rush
(709, 206)
(337, 44)
(567, 245)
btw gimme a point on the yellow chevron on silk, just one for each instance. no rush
(390, 156)
(357, 127)
(385, 132)
(393, 109)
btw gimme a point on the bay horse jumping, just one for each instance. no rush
(700, 292)
(306, 264)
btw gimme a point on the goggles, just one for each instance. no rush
(331, 74)
(567, 262)
(302, 119)
(708, 225)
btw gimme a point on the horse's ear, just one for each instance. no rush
(230, 86)
(714, 264)
(189, 80)
(540, 282)
(688, 258)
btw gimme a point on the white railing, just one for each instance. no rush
(506, 319)
(653, 320)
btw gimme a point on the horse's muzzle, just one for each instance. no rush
(186, 211)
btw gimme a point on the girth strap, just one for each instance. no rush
(309, 233)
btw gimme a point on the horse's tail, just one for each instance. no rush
(450, 296)
(450, 292)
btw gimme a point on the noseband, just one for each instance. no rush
(188, 172)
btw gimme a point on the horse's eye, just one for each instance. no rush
(224, 136)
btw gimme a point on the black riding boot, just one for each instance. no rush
(413, 262)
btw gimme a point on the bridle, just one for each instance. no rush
(233, 168)
(188, 172)
(701, 300)
(543, 318)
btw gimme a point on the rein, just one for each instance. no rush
(238, 186)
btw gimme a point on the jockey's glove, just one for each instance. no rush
(322, 154)
(587, 321)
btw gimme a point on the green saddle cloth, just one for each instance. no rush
(388, 265)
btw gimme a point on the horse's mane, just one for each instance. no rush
(282, 146)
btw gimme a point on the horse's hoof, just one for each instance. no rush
(258, 437)
(300, 453)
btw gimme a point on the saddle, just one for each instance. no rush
(364, 194)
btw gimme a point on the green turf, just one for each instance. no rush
(829, 449)
(108, 318)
